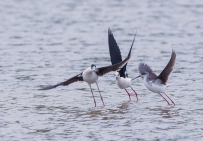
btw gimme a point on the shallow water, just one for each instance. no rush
(46, 42)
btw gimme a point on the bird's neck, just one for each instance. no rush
(118, 78)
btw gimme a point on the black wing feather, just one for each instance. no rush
(129, 53)
(114, 50)
(115, 53)
(168, 69)
(104, 70)
(65, 83)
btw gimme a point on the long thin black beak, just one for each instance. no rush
(136, 77)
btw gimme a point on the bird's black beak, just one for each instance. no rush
(137, 77)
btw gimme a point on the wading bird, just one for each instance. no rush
(154, 83)
(91, 74)
(122, 79)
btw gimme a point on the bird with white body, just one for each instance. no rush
(90, 75)
(122, 79)
(154, 83)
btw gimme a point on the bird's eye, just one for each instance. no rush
(143, 73)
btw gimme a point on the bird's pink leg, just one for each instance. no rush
(170, 99)
(135, 93)
(100, 94)
(93, 96)
(165, 99)
(128, 94)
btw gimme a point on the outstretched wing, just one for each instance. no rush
(104, 70)
(145, 68)
(115, 53)
(114, 50)
(124, 68)
(65, 83)
(168, 69)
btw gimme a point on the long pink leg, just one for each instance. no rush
(93, 96)
(170, 99)
(135, 93)
(165, 99)
(100, 94)
(128, 94)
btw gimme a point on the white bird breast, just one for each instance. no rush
(89, 76)
(155, 87)
(123, 82)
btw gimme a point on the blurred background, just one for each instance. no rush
(45, 42)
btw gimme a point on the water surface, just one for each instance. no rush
(46, 42)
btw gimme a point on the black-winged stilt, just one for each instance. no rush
(90, 75)
(154, 83)
(122, 79)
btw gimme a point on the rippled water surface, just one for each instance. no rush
(45, 42)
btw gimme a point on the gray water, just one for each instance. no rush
(45, 42)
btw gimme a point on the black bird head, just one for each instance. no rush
(93, 67)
